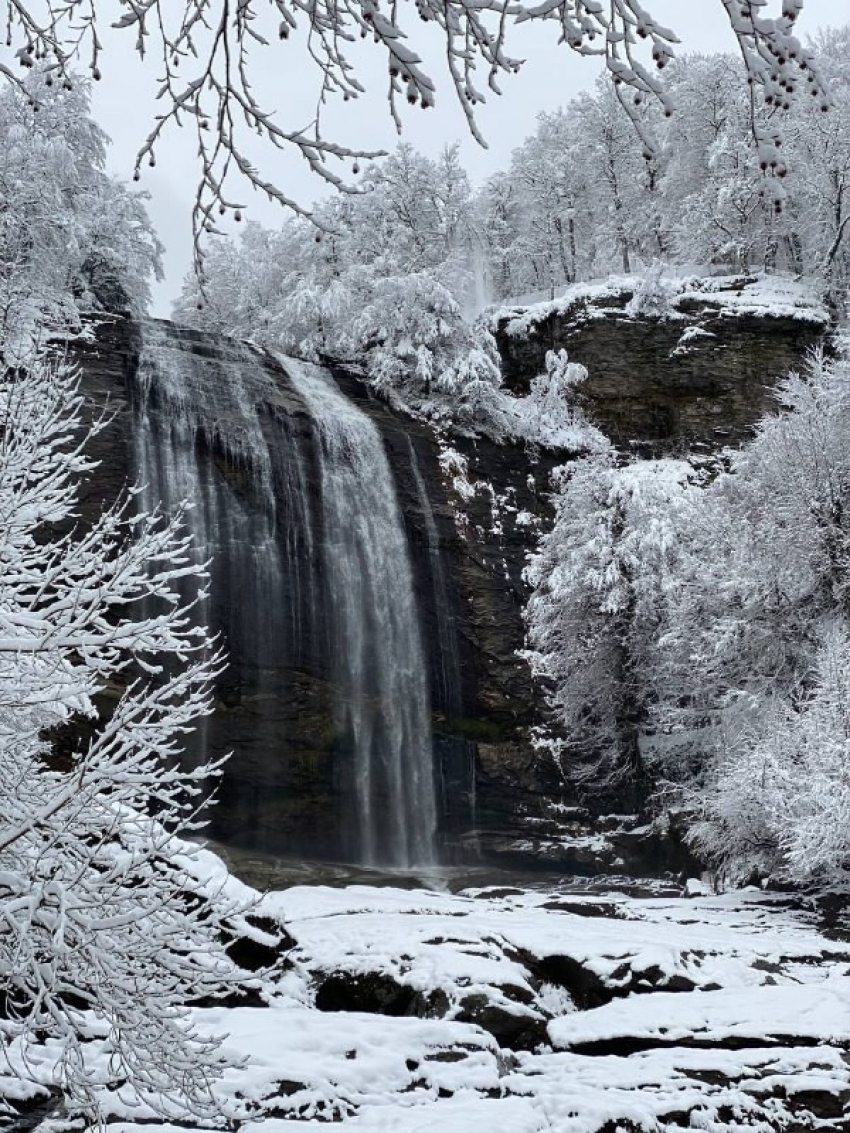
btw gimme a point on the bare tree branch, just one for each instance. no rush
(212, 41)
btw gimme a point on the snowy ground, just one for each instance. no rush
(519, 1011)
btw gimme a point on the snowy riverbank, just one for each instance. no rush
(523, 1010)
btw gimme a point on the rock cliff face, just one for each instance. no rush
(472, 510)
(697, 378)
(286, 789)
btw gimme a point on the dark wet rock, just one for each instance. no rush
(825, 1105)
(377, 993)
(514, 1030)
(260, 951)
(25, 1116)
(571, 840)
(585, 987)
(585, 909)
(622, 1046)
(650, 390)
(443, 1056)
(238, 995)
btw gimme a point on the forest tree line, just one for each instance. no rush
(579, 200)
(396, 275)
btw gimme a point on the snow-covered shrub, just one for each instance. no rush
(102, 935)
(600, 580)
(777, 802)
(551, 416)
(71, 238)
(415, 339)
(653, 296)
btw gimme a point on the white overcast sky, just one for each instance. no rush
(552, 75)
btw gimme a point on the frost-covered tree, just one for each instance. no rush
(818, 224)
(415, 340)
(551, 404)
(385, 285)
(693, 632)
(214, 92)
(71, 238)
(546, 232)
(104, 936)
(777, 799)
(715, 206)
(414, 216)
(600, 584)
(581, 200)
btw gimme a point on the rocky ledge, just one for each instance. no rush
(691, 367)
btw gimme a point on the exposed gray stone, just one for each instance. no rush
(651, 392)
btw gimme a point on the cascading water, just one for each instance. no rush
(201, 438)
(195, 402)
(325, 701)
(457, 756)
(447, 651)
(380, 679)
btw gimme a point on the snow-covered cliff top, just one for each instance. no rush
(663, 296)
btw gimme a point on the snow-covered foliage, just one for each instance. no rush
(760, 295)
(384, 285)
(600, 581)
(580, 201)
(103, 670)
(215, 94)
(386, 289)
(550, 405)
(778, 799)
(418, 344)
(71, 238)
(694, 630)
(653, 296)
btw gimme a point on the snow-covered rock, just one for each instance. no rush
(652, 1012)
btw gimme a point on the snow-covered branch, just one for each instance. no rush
(206, 67)
(103, 933)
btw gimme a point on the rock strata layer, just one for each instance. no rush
(697, 377)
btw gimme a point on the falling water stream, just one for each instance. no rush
(448, 685)
(298, 584)
(191, 402)
(381, 681)
(447, 651)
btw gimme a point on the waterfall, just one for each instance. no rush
(325, 702)
(203, 438)
(457, 756)
(380, 680)
(447, 652)
(199, 403)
